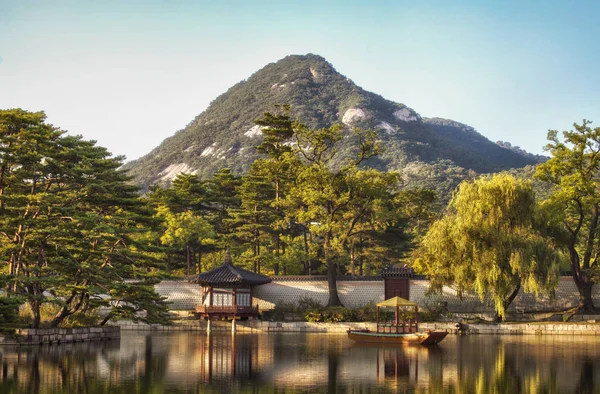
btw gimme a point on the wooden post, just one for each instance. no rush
(377, 319)
(416, 318)
(208, 326)
(398, 319)
(211, 296)
(233, 325)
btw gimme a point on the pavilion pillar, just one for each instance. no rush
(211, 296)
(208, 326)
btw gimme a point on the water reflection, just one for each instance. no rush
(190, 363)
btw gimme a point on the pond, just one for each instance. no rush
(184, 362)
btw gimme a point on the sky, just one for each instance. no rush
(129, 74)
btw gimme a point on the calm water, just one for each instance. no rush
(285, 363)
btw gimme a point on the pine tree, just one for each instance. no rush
(69, 221)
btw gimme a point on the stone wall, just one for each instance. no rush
(256, 326)
(38, 336)
(183, 296)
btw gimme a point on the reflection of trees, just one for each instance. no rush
(332, 363)
(499, 369)
(154, 371)
(184, 362)
(65, 368)
(586, 379)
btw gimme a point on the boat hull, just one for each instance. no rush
(418, 338)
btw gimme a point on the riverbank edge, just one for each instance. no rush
(251, 326)
(50, 336)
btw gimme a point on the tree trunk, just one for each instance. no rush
(37, 317)
(585, 291)
(352, 258)
(334, 299)
(498, 318)
(276, 265)
(65, 311)
(307, 269)
(200, 259)
(188, 257)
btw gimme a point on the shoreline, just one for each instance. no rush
(590, 328)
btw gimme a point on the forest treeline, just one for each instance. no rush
(77, 237)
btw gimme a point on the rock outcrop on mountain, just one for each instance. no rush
(432, 152)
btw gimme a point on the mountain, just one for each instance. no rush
(427, 151)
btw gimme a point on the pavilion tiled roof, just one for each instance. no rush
(228, 275)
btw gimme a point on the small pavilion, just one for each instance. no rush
(406, 316)
(227, 291)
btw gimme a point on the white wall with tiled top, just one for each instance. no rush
(184, 296)
(353, 294)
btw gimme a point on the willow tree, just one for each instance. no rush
(493, 240)
(574, 170)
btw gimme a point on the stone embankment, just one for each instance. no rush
(546, 328)
(247, 326)
(531, 328)
(39, 336)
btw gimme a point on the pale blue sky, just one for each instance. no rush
(130, 73)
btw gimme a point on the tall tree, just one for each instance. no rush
(185, 229)
(574, 170)
(251, 223)
(278, 167)
(331, 203)
(69, 222)
(493, 240)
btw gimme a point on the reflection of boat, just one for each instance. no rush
(403, 329)
(423, 338)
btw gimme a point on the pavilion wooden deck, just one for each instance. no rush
(226, 312)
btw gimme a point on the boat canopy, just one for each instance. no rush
(396, 301)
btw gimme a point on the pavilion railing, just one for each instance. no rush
(233, 309)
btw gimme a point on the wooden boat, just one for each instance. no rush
(419, 338)
(404, 329)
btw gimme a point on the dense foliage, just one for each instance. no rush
(70, 225)
(494, 240)
(574, 170)
(432, 153)
(292, 213)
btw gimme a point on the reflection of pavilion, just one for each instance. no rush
(394, 364)
(227, 291)
(228, 357)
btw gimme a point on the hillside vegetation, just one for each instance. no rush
(430, 152)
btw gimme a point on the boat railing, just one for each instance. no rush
(404, 327)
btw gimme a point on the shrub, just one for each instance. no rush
(9, 310)
(306, 304)
(313, 317)
(82, 319)
(366, 313)
(336, 314)
(49, 310)
(433, 311)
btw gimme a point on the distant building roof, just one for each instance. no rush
(228, 275)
